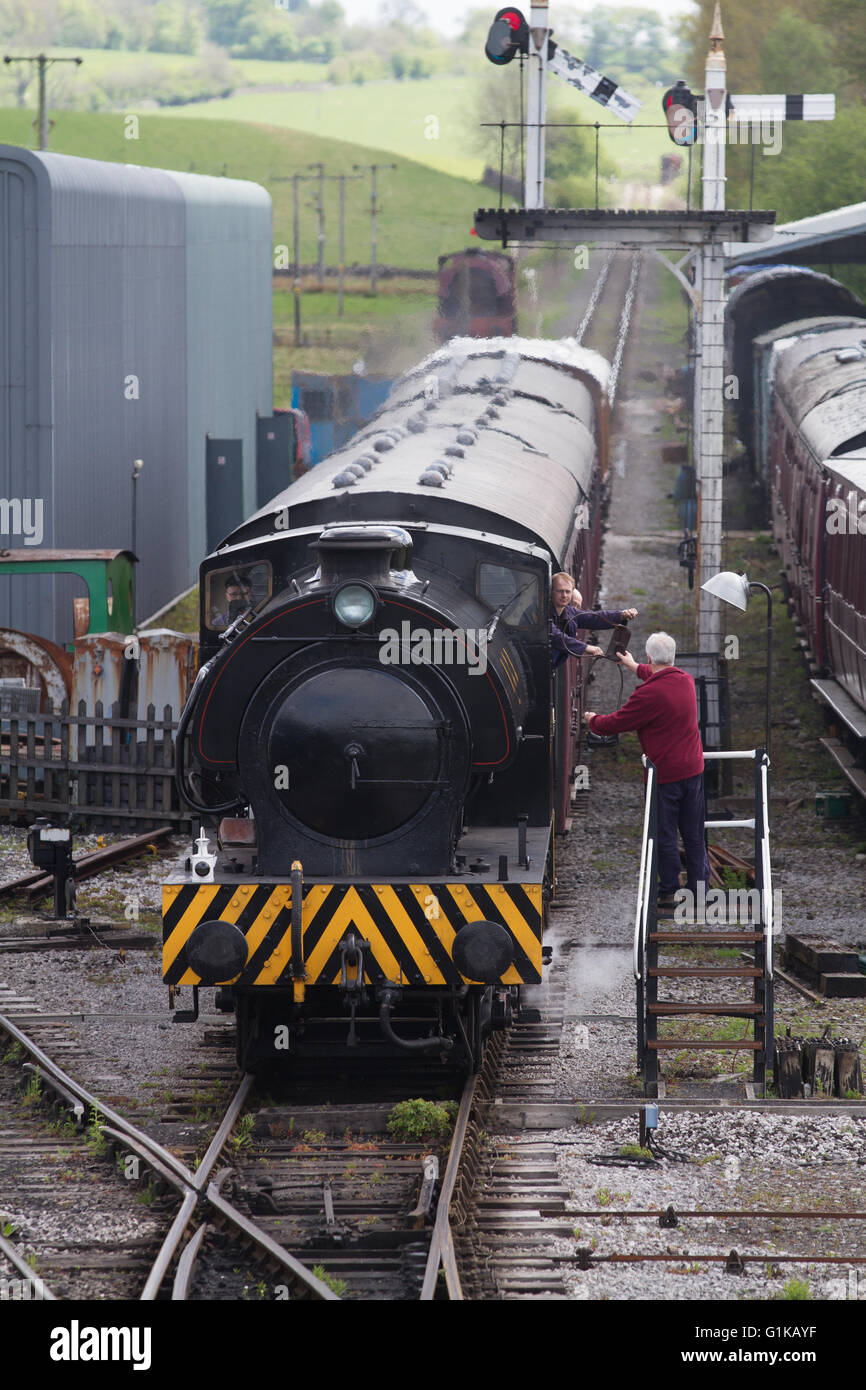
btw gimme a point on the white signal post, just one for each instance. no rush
(546, 56)
(709, 303)
(709, 382)
(539, 33)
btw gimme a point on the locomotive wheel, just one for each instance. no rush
(478, 1022)
(254, 1022)
(245, 1024)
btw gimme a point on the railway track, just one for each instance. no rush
(38, 883)
(134, 1153)
(605, 320)
(311, 1191)
(349, 1201)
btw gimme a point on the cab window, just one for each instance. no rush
(230, 592)
(516, 592)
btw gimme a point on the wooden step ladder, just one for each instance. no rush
(749, 925)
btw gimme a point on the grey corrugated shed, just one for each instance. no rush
(134, 317)
(229, 255)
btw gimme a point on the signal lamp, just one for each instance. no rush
(680, 106)
(509, 34)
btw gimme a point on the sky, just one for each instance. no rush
(449, 13)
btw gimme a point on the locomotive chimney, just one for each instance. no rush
(369, 552)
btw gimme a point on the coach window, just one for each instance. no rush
(515, 592)
(230, 592)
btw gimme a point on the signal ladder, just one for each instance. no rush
(745, 927)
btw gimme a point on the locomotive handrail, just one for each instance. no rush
(645, 861)
(179, 759)
(726, 753)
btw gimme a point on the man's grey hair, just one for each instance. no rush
(661, 649)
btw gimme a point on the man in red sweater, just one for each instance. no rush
(663, 711)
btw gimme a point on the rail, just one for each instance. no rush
(441, 1254)
(194, 1188)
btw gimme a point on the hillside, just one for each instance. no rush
(422, 212)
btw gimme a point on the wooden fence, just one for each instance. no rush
(101, 770)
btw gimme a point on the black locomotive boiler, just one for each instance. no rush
(374, 748)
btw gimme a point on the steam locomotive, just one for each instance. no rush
(799, 347)
(477, 295)
(374, 749)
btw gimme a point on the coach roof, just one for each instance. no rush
(497, 435)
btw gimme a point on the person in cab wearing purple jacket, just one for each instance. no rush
(663, 711)
(569, 618)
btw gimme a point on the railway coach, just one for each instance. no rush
(817, 457)
(375, 749)
(803, 420)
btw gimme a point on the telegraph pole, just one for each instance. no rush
(320, 213)
(341, 255)
(373, 211)
(42, 62)
(296, 258)
(295, 179)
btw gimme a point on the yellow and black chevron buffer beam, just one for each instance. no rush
(420, 934)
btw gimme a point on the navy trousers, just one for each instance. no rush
(681, 806)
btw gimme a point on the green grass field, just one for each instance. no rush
(252, 72)
(423, 121)
(432, 122)
(422, 213)
(389, 333)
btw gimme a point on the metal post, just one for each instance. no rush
(320, 215)
(710, 439)
(321, 226)
(710, 369)
(753, 584)
(42, 62)
(539, 34)
(373, 230)
(296, 284)
(597, 129)
(136, 470)
(715, 120)
(373, 168)
(341, 249)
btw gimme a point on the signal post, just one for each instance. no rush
(700, 235)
